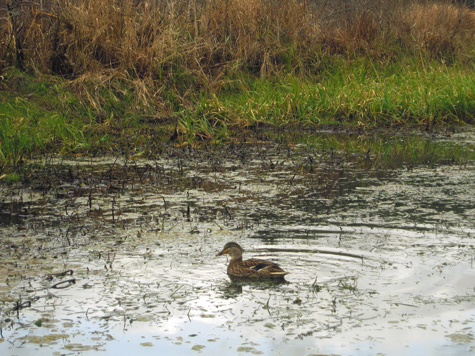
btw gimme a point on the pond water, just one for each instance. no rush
(117, 256)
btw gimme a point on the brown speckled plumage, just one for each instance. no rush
(251, 269)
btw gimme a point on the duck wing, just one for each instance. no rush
(254, 269)
(256, 264)
(264, 268)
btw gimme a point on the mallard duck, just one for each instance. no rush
(251, 269)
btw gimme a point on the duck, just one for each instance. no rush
(252, 269)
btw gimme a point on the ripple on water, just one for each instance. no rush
(384, 264)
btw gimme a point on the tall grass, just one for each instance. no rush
(359, 94)
(212, 65)
(40, 116)
(187, 46)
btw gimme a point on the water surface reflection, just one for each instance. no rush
(380, 262)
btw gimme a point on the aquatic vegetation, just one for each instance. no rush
(118, 252)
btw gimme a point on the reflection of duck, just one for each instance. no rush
(251, 269)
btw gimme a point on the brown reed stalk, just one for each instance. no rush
(187, 46)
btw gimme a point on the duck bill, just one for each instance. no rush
(221, 253)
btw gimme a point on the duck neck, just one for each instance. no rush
(234, 264)
(236, 259)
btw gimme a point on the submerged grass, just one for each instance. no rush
(385, 149)
(413, 151)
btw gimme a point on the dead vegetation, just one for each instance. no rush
(184, 42)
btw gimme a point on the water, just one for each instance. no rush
(380, 262)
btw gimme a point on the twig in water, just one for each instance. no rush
(176, 290)
(267, 306)
(64, 284)
(292, 179)
(113, 218)
(228, 213)
(20, 305)
(61, 274)
(170, 229)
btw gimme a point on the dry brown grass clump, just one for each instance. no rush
(385, 29)
(439, 29)
(184, 46)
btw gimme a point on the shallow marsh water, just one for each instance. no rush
(380, 261)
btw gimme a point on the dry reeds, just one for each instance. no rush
(440, 30)
(204, 67)
(147, 36)
(191, 45)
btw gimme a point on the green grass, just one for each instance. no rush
(137, 75)
(42, 114)
(356, 94)
(36, 117)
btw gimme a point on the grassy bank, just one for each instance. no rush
(356, 94)
(94, 76)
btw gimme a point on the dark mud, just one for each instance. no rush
(118, 255)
